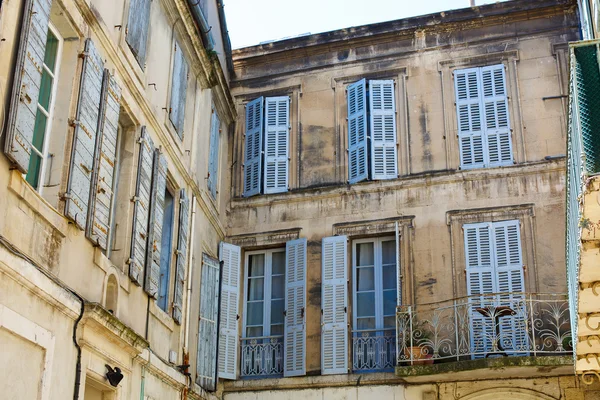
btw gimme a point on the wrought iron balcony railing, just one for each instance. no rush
(262, 356)
(500, 324)
(373, 350)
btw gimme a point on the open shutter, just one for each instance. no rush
(398, 268)
(104, 163)
(84, 139)
(155, 225)
(497, 125)
(295, 303)
(228, 325)
(277, 128)
(27, 80)
(182, 251)
(253, 147)
(469, 114)
(384, 162)
(213, 158)
(334, 298)
(141, 208)
(178, 90)
(138, 23)
(357, 131)
(206, 362)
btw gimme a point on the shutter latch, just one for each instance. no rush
(302, 312)
(237, 317)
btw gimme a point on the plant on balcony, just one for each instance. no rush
(417, 345)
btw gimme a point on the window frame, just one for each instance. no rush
(216, 153)
(169, 259)
(116, 181)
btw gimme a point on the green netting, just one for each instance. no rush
(588, 102)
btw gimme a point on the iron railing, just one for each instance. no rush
(262, 356)
(500, 324)
(373, 350)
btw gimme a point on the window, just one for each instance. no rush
(179, 79)
(138, 24)
(166, 250)
(266, 162)
(483, 122)
(213, 158)
(372, 144)
(118, 168)
(45, 104)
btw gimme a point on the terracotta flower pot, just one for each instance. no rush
(420, 355)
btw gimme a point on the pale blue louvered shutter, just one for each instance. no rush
(334, 301)
(84, 138)
(213, 157)
(384, 158)
(229, 314)
(253, 150)
(27, 80)
(138, 24)
(357, 131)
(206, 362)
(277, 132)
(470, 123)
(141, 208)
(155, 224)
(182, 251)
(179, 79)
(103, 177)
(295, 303)
(497, 124)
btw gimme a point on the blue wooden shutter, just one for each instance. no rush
(99, 219)
(384, 158)
(357, 131)
(178, 89)
(27, 80)
(253, 147)
(138, 24)
(277, 132)
(497, 124)
(213, 157)
(228, 325)
(182, 251)
(295, 304)
(141, 208)
(84, 139)
(155, 224)
(206, 361)
(470, 118)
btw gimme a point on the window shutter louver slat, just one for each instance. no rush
(383, 130)
(138, 22)
(104, 164)
(277, 111)
(141, 208)
(495, 106)
(295, 303)
(27, 80)
(182, 251)
(469, 115)
(228, 332)
(85, 137)
(356, 97)
(334, 298)
(213, 161)
(253, 147)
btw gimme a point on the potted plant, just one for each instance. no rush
(418, 349)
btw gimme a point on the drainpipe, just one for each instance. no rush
(202, 23)
(189, 278)
(225, 35)
(78, 347)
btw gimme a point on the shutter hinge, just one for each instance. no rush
(84, 54)
(135, 199)
(129, 261)
(73, 122)
(141, 140)
(66, 196)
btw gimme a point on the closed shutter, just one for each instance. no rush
(334, 298)
(155, 225)
(104, 163)
(253, 147)
(356, 97)
(141, 208)
(84, 138)
(213, 158)
(295, 303)
(27, 80)
(277, 128)
(138, 23)
(182, 251)
(384, 163)
(398, 269)
(206, 361)
(470, 123)
(178, 90)
(228, 332)
(495, 106)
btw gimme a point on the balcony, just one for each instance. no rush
(262, 357)
(373, 350)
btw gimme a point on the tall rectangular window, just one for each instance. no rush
(179, 81)
(213, 157)
(138, 24)
(166, 250)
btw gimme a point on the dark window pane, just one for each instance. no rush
(388, 252)
(256, 265)
(277, 312)
(35, 163)
(276, 329)
(256, 289)
(255, 313)
(364, 254)
(45, 90)
(389, 302)
(279, 263)
(365, 323)
(366, 304)
(365, 279)
(389, 276)
(51, 51)
(39, 131)
(254, 331)
(277, 287)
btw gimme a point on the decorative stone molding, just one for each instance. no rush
(372, 227)
(265, 238)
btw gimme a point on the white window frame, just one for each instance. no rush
(116, 181)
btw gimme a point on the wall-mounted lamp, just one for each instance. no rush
(114, 376)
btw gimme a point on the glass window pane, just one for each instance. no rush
(39, 131)
(45, 90)
(277, 311)
(254, 331)
(256, 265)
(365, 323)
(388, 252)
(276, 329)
(364, 254)
(51, 50)
(389, 322)
(365, 278)
(278, 263)
(255, 313)
(366, 304)
(389, 276)
(389, 302)
(256, 289)
(277, 287)
(33, 173)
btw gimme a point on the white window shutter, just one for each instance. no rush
(228, 318)
(495, 107)
(105, 159)
(182, 252)
(277, 132)
(213, 157)
(398, 268)
(141, 200)
(384, 162)
(138, 23)
(84, 139)
(27, 80)
(179, 80)
(356, 97)
(470, 118)
(253, 147)
(295, 303)
(334, 298)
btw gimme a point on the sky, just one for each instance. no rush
(253, 21)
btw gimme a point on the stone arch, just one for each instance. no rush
(508, 393)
